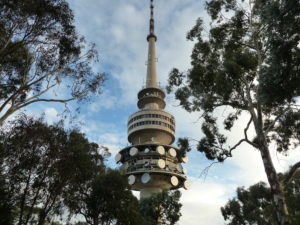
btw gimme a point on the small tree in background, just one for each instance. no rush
(40, 50)
(247, 63)
(254, 204)
(162, 207)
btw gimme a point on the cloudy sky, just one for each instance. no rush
(119, 29)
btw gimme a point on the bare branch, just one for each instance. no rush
(44, 76)
(236, 145)
(204, 172)
(200, 117)
(42, 92)
(46, 100)
(12, 109)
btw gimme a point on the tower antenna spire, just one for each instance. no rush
(151, 80)
(151, 30)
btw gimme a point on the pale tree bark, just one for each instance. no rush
(261, 144)
(276, 187)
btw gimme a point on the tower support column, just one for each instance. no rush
(148, 192)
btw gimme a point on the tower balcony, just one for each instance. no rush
(151, 126)
(153, 166)
(151, 95)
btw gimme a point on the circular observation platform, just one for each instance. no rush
(151, 126)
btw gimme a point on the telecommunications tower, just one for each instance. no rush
(152, 164)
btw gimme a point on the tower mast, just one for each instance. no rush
(151, 65)
(151, 163)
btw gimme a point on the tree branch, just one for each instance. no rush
(14, 108)
(45, 100)
(245, 133)
(204, 172)
(291, 173)
(276, 119)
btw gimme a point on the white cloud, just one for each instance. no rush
(105, 101)
(201, 203)
(51, 115)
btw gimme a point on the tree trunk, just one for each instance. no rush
(23, 200)
(277, 191)
(276, 187)
(42, 218)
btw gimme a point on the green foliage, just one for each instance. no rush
(6, 205)
(184, 146)
(281, 73)
(247, 66)
(107, 201)
(40, 50)
(80, 223)
(238, 64)
(254, 205)
(40, 163)
(296, 219)
(163, 207)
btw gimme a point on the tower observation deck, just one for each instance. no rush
(152, 164)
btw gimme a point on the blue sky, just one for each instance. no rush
(119, 29)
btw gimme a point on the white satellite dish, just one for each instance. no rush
(186, 185)
(118, 157)
(179, 168)
(133, 151)
(161, 163)
(172, 152)
(174, 181)
(185, 159)
(147, 150)
(160, 150)
(131, 179)
(185, 170)
(145, 178)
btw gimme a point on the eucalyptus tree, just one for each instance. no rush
(162, 208)
(106, 200)
(254, 204)
(40, 50)
(39, 163)
(246, 62)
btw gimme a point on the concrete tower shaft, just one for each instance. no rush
(151, 80)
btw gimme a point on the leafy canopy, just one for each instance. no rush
(40, 50)
(39, 164)
(254, 204)
(162, 207)
(246, 65)
(237, 66)
(107, 200)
